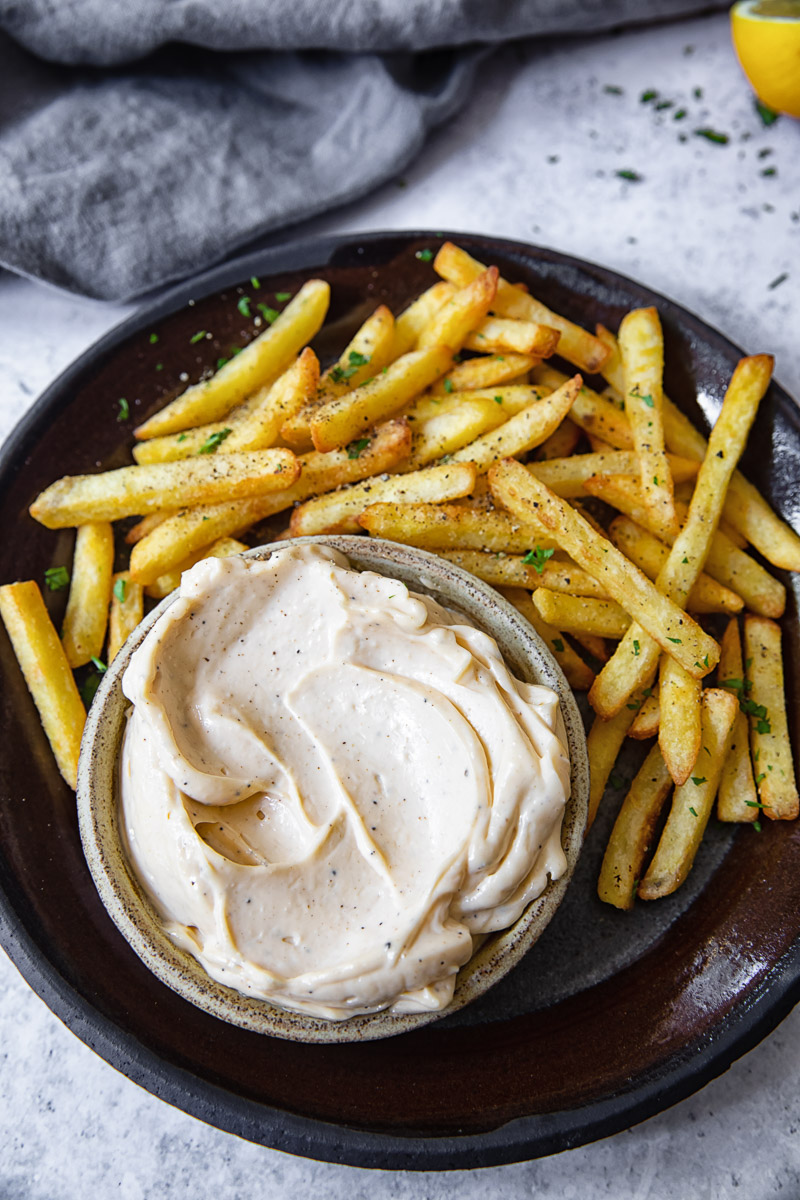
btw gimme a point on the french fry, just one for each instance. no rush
(592, 644)
(730, 566)
(578, 674)
(86, 617)
(668, 625)
(511, 570)
(581, 614)
(419, 314)
(692, 801)
(125, 613)
(641, 347)
(368, 352)
(596, 415)
(633, 832)
(262, 361)
(191, 529)
(47, 673)
(443, 425)
(648, 718)
(745, 508)
(561, 443)
(527, 429)
(451, 324)
(603, 746)
(679, 719)
(566, 476)
(575, 344)
(737, 799)
(769, 733)
(224, 547)
(612, 369)
(450, 527)
(338, 512)
(342, 421)
(501, 335)
(128, 491)
(485, 372)
(146, 525)
(650, 554)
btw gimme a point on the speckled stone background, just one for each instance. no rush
(534, 156)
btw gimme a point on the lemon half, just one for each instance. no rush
(766, 37)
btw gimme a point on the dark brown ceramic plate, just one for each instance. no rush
(609, 1019)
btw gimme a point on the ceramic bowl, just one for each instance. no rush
(135, 917)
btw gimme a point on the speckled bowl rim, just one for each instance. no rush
(131, 910)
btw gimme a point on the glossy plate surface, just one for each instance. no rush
(610, 1018)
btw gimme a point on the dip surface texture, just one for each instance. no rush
(330, 784)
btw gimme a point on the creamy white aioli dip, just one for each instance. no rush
(331, 784)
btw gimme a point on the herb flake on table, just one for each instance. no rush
(778, 280)
(243, 305)
(56, 578)
(424, 255)
(124, 409)
(153, 339)
(197, 337)
(630, 176)
(768, 115)
(282, 297)
(648, 95)
(269, 314)
(712, 135)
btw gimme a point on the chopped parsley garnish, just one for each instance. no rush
(124, 409)
(424, 255)
(497, 399)
(182, 437)
(282, 297)
(255, 282)
(537, 558)
(448, 385)
(684, 559)
(612, 90)
(159, 366)
(712, 135)
(221, 362)
(153, 339)
(757, 826)
(636, 649)
(243, 305)
(356, 360)
(698, 779)
(662, 104)
(88, 689)
(120, 587)
(769, 171)
(677, 641)
(760, 778)
(631, 176)
(354, 449)
(214, 441)
(558, 645)
(99, 664)
(56, 578)
(754, 804)
(197, 337)
(768, 115)
(697, 93)
(634, 705)
(679, 114)
(269, 314)
(693, 811)
(779, 279)
(647, 96)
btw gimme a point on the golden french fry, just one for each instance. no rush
(342, 421)
(125, 613)
(223, 547)
(338, 512)
(648, 718)
(745, 508)
(531, 571)
(452, 323)
(581, 614)
(737, 799)
(579, 676)
(633, 832)
(258, 364)
(146, 525)
(726, 563)
(566, 476)
(692, 801)
(485, 372)
(78, 499)
(575, 344)
(368, 352)
(612, 369)
(596, 415)
(641, 347)
(419, 314)
(673, 629)
(679, 721)
(442, 425)
(86, 617)
(650, 554)
(769, 733)
(191, 529)
(561, 443)
(501, 335)
(451, 527)
(47, 673)
(603, 746)
(592, 644)
(527, 429)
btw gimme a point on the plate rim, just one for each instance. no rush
(522, 1138)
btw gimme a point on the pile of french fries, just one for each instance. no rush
(446, 427)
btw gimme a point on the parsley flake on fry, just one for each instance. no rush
(214, 441)
(537, 558)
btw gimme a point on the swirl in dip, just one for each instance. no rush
(332, 785)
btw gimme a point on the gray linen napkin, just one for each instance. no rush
(120, 172)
